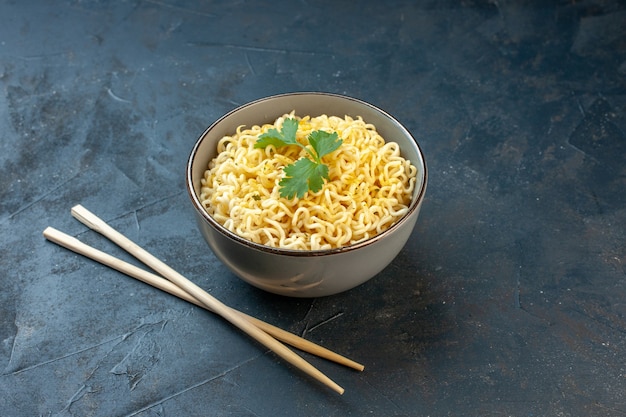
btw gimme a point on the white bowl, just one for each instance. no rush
(299, 273)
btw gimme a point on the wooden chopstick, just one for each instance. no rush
(98, 225)
(163, 284)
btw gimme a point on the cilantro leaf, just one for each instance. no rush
(324, 143)
(305, 174)
(302, 176)
(286, 136)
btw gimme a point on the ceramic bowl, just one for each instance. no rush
(298, 273)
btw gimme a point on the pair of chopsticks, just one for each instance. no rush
(174, 283)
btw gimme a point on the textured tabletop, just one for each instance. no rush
(508, 300)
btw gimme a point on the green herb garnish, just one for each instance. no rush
(305, 174)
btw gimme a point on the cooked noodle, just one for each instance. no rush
(370, 187)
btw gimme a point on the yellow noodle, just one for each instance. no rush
(370, 187)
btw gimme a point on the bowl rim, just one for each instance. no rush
(197, 204)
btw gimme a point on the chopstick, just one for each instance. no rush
(211, 303)
(163, 284)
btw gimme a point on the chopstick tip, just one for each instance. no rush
(86, 217)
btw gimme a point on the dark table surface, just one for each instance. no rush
(508, 300)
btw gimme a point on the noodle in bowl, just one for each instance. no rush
(370, 187)
(327, 241)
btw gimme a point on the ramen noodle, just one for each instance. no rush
(370, 187)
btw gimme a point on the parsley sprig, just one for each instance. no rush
(306, 173)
